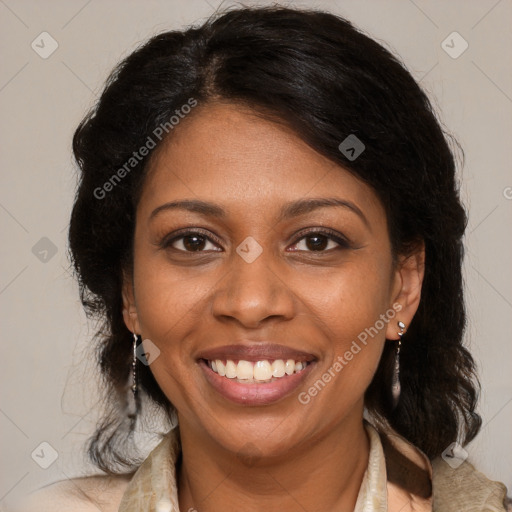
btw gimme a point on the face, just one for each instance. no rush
(254, 268)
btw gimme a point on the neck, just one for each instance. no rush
(325, 474)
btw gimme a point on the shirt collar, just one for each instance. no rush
(398, 477)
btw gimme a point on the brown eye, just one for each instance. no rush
(321, 241)
(190, 241)
(193, 242)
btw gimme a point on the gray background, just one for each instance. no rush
(48, 377)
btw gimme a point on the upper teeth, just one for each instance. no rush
(258, 370)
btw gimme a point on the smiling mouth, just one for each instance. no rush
(254, 372)
(259, 386)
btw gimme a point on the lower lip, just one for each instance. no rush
(253, 393)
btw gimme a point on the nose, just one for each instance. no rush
(253, 292)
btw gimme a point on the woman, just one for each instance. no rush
(269, 225)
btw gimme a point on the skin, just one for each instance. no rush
(277, 456)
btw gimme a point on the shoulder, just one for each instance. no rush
(463, 486)
(82, 494)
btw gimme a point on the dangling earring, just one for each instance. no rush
(134, 364)
(395, 387)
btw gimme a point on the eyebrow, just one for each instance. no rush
(288, 211)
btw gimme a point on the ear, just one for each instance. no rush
(408, 280)
(130, 317)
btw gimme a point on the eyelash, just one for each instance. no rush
(332, 235)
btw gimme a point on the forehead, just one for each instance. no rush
(228, 154)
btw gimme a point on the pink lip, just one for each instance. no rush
(254, 393)
(255, 352)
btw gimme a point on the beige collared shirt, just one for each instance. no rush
(398, 478)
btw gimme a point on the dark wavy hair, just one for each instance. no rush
(323, 77)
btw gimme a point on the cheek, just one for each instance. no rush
(168, 297)
(355, 335)
(349, 300)
(170, 307)
(352, 309)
